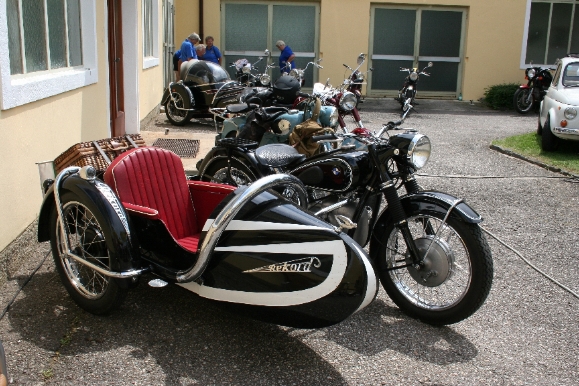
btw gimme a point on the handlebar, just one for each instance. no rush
(324, 137)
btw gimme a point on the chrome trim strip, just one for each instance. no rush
(116, 275)
(331, 207)
(228, 213)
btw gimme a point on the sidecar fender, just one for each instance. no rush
(174, 86)
(121, 244)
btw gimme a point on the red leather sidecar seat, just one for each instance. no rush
(151, 182)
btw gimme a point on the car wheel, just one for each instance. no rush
(539, 127)
(549, 141)
(174, 107)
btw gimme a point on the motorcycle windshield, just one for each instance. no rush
(202, 72)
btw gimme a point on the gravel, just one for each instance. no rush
(525, 334)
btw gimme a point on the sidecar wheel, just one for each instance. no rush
(91, 290)
(174, 115)
(217, 172)
(455, 279)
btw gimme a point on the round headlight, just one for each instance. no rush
(360, 76)
(334, 118)
(419, 151)
(246, 69)
(413, 76)
(570, 113)
(348, 101)
(265, 79)
(531, 73)
(294, 73)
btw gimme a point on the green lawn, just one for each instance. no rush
(529, 145)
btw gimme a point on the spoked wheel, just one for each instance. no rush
(91, 290)
(456, 275)
(239, 174)
(175, 108)
(523, 100)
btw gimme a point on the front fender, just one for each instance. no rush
(122, 245)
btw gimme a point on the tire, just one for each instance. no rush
(539, 127)
(523, 100)
(216, 171)
(92, 291)
(461, 261)
(175, 116)
(549, 142)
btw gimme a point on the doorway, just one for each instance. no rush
(116, 81)
(410, 37)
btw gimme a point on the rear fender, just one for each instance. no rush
(524, 86)
(100, 199)
(219, 153)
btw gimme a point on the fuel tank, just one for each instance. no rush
(276, 263)
(337, 172)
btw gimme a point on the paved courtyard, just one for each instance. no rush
(525, 334)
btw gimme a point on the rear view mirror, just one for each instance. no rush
(361, 59)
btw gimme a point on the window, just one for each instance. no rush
(552, 31)
(150, 33)
(51, 47)
(43, 35)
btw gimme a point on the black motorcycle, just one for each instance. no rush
(407, 94)
(527, 95)
(431, 255)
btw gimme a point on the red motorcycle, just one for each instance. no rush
(347, 96)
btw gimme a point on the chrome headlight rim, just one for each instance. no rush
(265, 79)
(348, 101)
(531, 72)
(419, 151)
(413, 76)
(570, 113)
(246, 69)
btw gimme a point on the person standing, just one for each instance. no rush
(200, 51)
(212, 53)
(188, 50)
(286, 57)
(176, 57)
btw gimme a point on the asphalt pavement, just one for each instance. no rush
(525, 334)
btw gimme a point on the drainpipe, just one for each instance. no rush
(201, 34)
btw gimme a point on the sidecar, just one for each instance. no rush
(248, 247)
(205, 85)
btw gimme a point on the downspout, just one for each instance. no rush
(201, 34)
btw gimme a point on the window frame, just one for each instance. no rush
(21, 89)
(524, 65)
(153, 60)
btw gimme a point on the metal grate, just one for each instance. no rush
(185, 148)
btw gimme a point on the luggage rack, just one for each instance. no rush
(244, 144)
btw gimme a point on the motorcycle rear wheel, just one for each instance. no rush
(180, 101)
(457, 275)
(217, 172)
(91, 290)
(523, 100)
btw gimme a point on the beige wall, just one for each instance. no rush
(40, 131)
(187, 19)
(493, 37)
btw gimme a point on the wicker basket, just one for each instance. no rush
(95, 153)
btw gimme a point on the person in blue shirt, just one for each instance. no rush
(212, 53)
(286, 57)
(176, 57)
(188, 50)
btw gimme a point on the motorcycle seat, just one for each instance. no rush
(241, 107)
(278, 155)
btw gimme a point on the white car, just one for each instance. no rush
(558, 115)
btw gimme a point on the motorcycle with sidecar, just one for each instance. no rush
(248, 248)
(205, 85)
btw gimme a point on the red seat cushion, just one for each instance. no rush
(154, 178)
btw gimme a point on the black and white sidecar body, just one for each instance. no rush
(247, 247)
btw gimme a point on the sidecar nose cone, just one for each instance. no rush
(157, 283)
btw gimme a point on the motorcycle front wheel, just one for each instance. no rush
(239, 174)
(91, 290)
(523, 100)
(456, 276)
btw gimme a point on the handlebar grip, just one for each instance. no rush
(323, 137)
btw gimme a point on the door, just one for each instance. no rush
(115, 41)
(412, 37)
(168, 41)
(250, 28)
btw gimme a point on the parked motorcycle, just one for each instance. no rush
(345, 97)
(247, 74)
(205, 85)
(407, 94)
(527, 95)
(300, 74)
(431, 255)
(248, 248)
